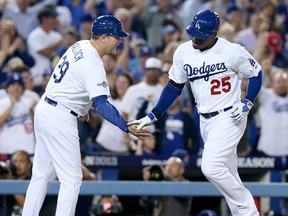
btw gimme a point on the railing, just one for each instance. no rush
(129, 188)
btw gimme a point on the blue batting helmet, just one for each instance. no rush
(108, 25)
(204, 24)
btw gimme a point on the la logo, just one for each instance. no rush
(197, 25)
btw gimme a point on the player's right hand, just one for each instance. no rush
(147, 120)
(241, 109)
(141, 134)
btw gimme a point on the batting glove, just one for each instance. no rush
(241, 109)
(147, 120)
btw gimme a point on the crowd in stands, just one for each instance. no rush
(34, 34)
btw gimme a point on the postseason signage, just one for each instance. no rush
(191, 162)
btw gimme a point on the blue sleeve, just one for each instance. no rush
(109, 112)
(167, 97)
(254, 86)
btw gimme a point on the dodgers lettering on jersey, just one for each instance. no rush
(75, 81)
(214, 74)
(205, 71)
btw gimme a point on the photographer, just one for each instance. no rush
(170, 205)
(18, 168)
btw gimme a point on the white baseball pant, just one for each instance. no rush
(57, 154)
(219, 161)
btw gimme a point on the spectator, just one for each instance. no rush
(167, 206)
(5, 41)
(77, 11)
(269, 70)
(189, 8)
(15, 45)
(28, 82)
(111, 68)
(227, 31)
(147, 146)
(164, 78)
(270, 44)
(24, 15)
(46, 77)
(169, 34)
(169, 50)
(109, 137)
(85, 27)
(19, 168)
(273, 112)
(16, 117)
(69, 38)
(42, 43)
(275, 44)
(248, 37)
(178, 130)
(153, 18)
(106, 7)
(108, 205)
(237, 18)
(126, 18)
(136, 94)
(138, 72)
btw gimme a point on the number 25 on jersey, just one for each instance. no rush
(219, 86)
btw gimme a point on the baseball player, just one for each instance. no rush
(214, 68)
(77, 83)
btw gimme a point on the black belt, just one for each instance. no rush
(54, 103)
(212, 114)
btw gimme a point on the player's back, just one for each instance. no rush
(78, 77)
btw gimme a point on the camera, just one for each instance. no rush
(156, 173)
(108, 205)
(6, 167)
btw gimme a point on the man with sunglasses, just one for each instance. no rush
(77, 83)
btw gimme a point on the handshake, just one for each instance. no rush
(135, 127)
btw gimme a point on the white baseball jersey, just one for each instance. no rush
(38, 40)
(136, 95)
(109, 136)
(214, 74)
(274, 123)
(17, 132)
(75, 81)
(26, 94)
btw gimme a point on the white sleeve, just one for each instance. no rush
(95, 80)
(246, 64)
(177, 72)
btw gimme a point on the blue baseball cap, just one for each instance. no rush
(13, 78)
(168, 29)
(145, 51)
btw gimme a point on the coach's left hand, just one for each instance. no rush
(141, 134)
